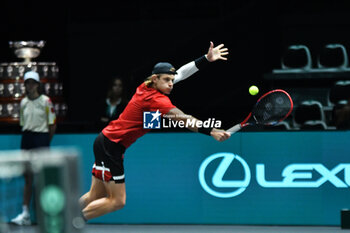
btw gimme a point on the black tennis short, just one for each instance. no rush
(109, 159)
(32, 140)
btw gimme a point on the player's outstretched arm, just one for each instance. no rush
(214, 53)
(176, 114)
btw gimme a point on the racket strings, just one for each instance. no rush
(272, 108)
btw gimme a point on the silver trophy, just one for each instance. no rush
(9, 109)
(27, 49)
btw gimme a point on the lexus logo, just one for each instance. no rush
(217, 180)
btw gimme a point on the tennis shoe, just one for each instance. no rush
(22, 220)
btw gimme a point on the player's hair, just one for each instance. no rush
(148, 82)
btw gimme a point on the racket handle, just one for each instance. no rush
(234, 129)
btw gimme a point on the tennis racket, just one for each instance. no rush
(270, 109)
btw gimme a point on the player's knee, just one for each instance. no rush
(118, 203)
(122, 203)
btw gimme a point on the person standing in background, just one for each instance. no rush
(38, 122)
(115, 102)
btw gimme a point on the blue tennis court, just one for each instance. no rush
(93, 228)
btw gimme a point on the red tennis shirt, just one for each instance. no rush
(129, 126)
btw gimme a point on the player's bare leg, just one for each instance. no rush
(115, 200)
(97, 191)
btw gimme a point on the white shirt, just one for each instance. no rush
(36, 115)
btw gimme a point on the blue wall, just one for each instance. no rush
(162, 177)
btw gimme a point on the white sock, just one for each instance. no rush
(25, 210)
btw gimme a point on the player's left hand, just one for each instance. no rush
(219, 52)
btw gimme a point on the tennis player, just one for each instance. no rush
(107, 192)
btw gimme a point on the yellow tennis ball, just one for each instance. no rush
(253, 90)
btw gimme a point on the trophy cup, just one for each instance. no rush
(27, 49)
(12, 86)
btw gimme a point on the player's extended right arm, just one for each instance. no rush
(176, 114)
(190, 68)
(214, 54)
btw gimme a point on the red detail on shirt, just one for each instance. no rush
(129, 126)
